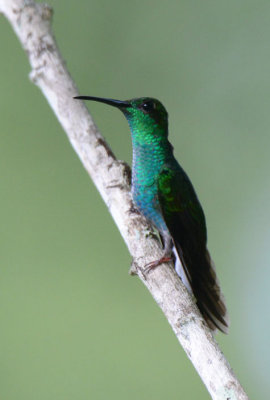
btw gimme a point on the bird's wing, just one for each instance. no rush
(185, 220)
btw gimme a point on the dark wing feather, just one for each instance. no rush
(185, 220)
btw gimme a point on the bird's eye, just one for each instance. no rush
(148, 106)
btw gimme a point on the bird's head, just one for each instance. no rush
(146, 116)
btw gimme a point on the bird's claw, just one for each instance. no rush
(154, 264)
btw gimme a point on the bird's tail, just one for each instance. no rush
(200, 278)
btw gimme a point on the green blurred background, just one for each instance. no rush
(74, 324)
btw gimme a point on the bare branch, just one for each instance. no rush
(31, 23)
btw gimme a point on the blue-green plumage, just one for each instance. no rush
(163, 193)
(144, 187)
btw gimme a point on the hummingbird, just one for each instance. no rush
(164, 194)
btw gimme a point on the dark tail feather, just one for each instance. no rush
(201, 275)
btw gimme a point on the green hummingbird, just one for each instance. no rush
(163, 193)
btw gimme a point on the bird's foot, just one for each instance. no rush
(154, 264)
(133, 210)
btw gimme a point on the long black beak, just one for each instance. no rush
(111, 102)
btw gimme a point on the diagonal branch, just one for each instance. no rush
(32, 24)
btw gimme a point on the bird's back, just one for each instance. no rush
(185, 220)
